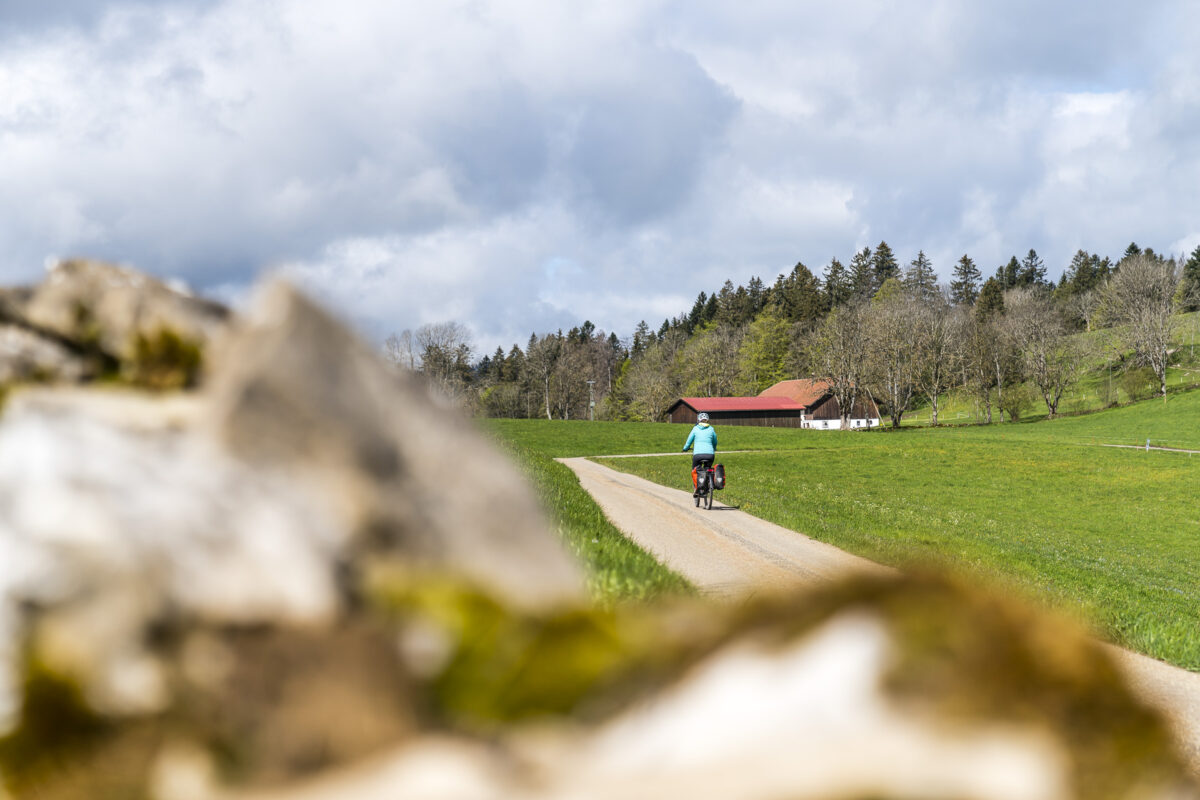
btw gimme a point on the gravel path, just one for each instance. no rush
(728, 553)
(723, 551)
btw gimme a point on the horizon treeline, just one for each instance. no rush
(870, 325)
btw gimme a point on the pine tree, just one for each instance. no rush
(920, 280)
(1086, 271)
(798, 297)
(756, 295)
(495, 365)
(1006, 275)
(862, 278)
(991, 299)
(838, 288)
(883, 266)
(1033, 270)
(1131, 251)
(641, 339)
(1191, 281)
(695, 316)
(514, 365)
(964, 289)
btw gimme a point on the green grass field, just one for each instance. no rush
(1110, 535)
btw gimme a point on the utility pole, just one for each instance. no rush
(591, 402)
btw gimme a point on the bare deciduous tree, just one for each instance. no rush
(401, 350)
(541, 357)
(989, 360)
(1140, 297)
(1051, 358)
(891, 357)
(837, 354)
(936, 340)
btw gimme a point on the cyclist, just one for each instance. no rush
(704, 452)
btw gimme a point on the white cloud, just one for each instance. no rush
(424, 162)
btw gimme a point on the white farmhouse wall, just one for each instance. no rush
(836, 424)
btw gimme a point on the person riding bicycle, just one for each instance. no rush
(703, 440)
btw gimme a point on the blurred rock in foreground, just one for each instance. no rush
(308, 579)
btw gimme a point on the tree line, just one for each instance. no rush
(867, 327)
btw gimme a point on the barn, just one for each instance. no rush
(822, 411)
(769, 412)
(800, 403)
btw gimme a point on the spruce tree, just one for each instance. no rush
(798, 296)
(991, 299)
(495, 367)
(1033, 270)
(838, 288)
(696, 315)
(964, 289)
(883, 266)
(1006, 275)
(756, 293)
(862, 278)
(920, 280)
(1191, 281)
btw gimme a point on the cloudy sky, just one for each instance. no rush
(521, 166)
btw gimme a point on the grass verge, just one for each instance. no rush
(617, 569)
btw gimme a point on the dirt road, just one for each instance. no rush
(723, 551)
(726, 552)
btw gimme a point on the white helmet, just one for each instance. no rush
(702, 417)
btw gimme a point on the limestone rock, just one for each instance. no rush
(12, 303)
(26, 356)
(113, 513)
(108, 307)
(888, 688)
(293, 390)
(157, 547)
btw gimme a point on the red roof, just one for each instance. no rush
(802, 391)
(742, 403)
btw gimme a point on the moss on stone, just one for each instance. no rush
(54, 728)
(164, 360)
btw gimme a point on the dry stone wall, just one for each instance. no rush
(305, 577)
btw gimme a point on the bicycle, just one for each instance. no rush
(706, 485)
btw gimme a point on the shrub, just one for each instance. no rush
(1138, 384)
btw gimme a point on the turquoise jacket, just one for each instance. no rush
(705, 438)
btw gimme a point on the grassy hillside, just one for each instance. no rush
(1112, 535)
(1108, 379)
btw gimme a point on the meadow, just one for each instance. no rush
(1109, 535)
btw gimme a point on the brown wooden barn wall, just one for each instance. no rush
(764, 419)
(828, 409)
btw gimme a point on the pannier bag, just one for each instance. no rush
(719, 476)
(695, 485)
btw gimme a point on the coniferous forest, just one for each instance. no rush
(870, 324)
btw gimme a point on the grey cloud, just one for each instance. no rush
(639, 150)
(657, 152)
(32, 18)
